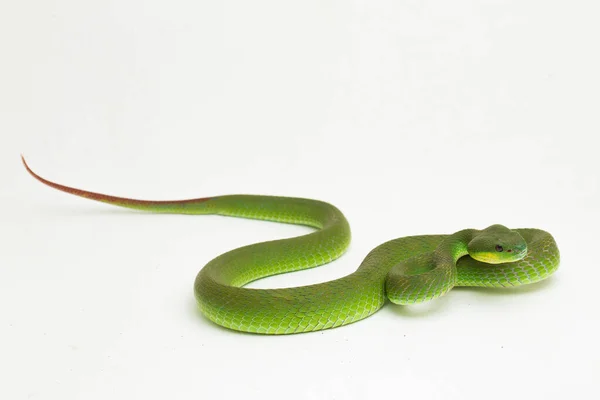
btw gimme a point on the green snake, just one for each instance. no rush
(405, 271)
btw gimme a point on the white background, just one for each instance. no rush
(412, 117)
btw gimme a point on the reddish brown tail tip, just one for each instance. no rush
(36, 176)
(120, 201)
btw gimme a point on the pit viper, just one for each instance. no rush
(405, 271)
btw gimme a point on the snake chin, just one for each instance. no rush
(491, 258)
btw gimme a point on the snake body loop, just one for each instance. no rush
(407, 270)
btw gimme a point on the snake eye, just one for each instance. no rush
(499, 248)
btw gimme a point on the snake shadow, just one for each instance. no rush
(510, 291)
(423, 310)
(439, 305)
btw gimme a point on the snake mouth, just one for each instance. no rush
(513, 255)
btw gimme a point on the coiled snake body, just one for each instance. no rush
(406, 270)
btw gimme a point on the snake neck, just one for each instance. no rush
(453, 247)
(431, 275)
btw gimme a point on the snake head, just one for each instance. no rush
(497, 244)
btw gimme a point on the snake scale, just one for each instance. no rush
(404, 271)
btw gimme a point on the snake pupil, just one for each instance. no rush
(499, 248)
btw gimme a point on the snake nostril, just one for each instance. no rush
(509, 250)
